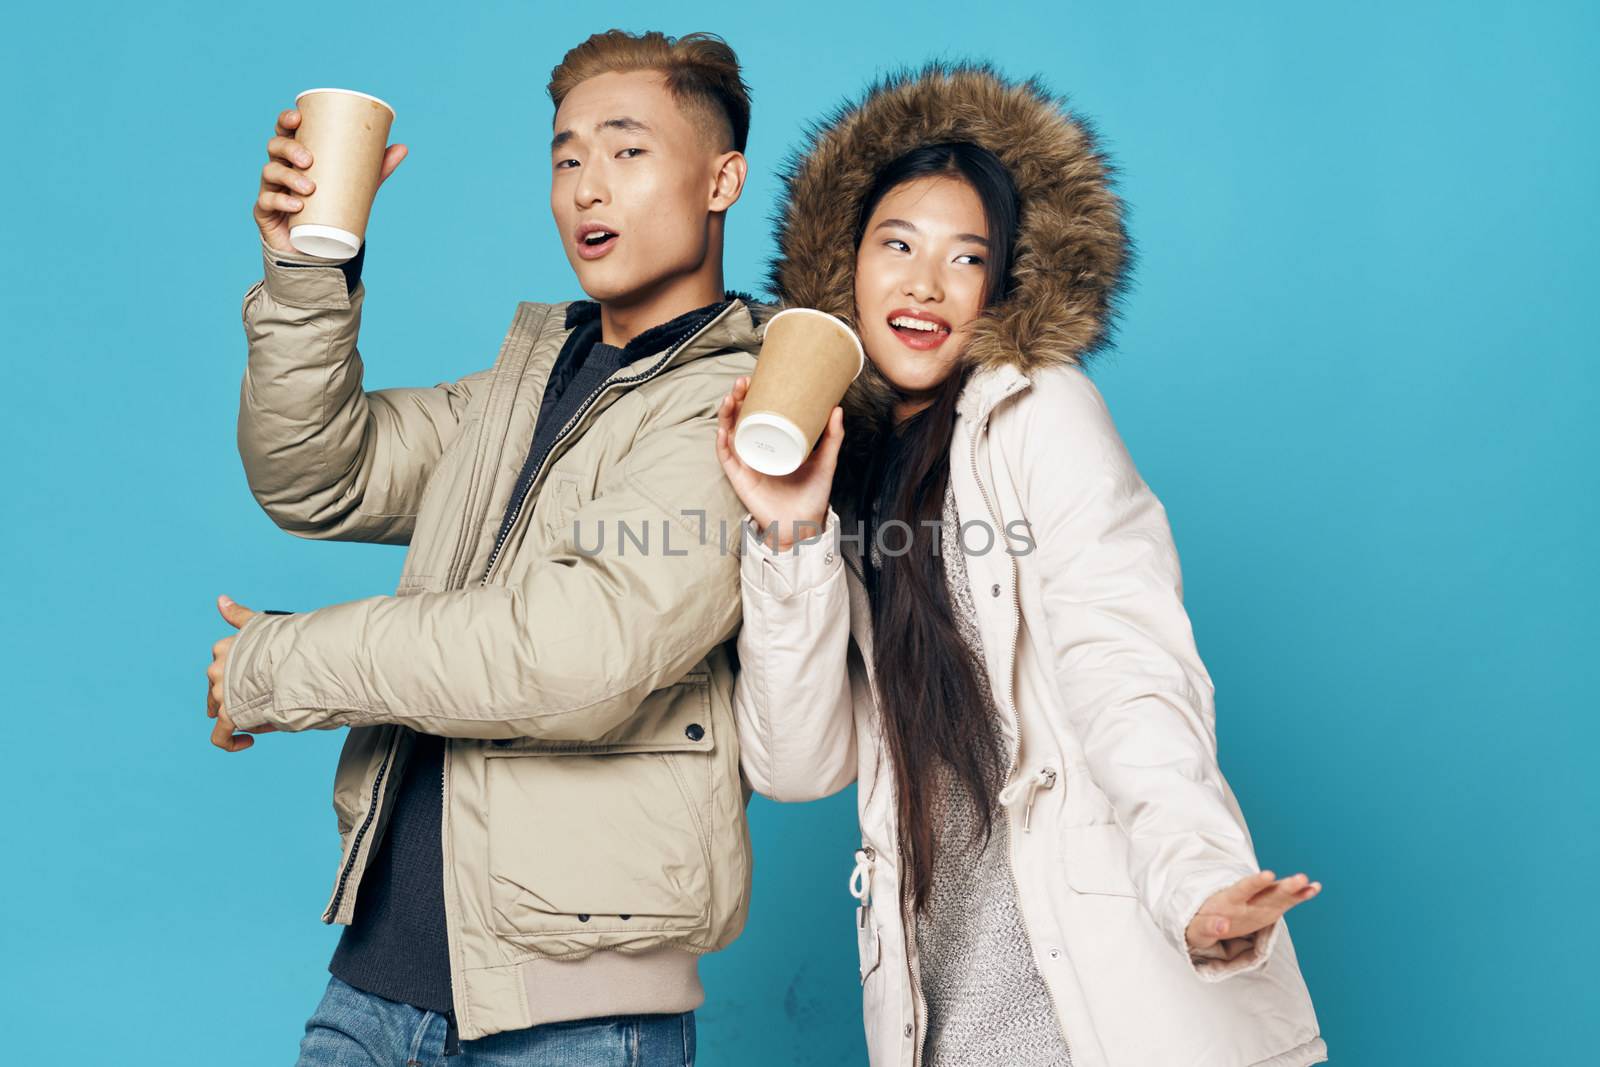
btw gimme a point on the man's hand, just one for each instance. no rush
(222, 735)
(1231, 915)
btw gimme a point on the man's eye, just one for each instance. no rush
(625, 152)
(561, 163)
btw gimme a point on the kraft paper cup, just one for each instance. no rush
(346, 133)
(808, 359)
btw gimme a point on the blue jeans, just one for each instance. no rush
(351, 1028)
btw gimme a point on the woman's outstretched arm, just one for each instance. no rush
(1129, 675)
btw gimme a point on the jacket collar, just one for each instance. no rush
(986, 387)
(727, 328)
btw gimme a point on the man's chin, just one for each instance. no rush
(607, 285)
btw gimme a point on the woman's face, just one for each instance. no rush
(919, 282)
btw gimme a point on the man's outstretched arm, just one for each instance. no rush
(566, 651)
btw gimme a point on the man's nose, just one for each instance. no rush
(591, 187)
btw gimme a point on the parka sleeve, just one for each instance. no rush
(326, 459)
(1125, 662)
(567, 649)
(792, 697)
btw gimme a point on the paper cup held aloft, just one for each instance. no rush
(346, 133)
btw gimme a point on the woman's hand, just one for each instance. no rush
(797, 502)
(1231, 915)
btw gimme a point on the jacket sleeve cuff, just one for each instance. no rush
(800, 568)
(246, 680)
(1213, 964)
(299, 280)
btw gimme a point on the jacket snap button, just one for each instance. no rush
(994, 590)
(583, 918)
(910, 1029)
(624, 918)
(827, 557)
(694, 731)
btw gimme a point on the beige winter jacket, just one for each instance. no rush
(577, 663)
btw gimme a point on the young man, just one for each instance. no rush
(539, 801)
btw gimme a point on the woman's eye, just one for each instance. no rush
(975, 260)
(893, 242)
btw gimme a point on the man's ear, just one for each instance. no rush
(727, 180)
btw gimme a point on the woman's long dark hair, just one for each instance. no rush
(933, 701)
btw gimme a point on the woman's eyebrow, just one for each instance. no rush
(902, 224)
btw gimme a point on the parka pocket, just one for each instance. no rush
(610, 836)
(1094, 859)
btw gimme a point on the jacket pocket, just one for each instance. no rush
(605, 837)
(1094, 859)
(558, 502)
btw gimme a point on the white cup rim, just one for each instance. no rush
(348, 92)
(861, 353)
(319, 231)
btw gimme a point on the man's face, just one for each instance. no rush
(633, 182)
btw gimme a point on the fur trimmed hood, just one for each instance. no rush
(1072, 252)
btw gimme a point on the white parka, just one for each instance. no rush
(1121, 823)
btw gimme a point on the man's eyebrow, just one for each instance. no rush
(902, 224)
(621, 122)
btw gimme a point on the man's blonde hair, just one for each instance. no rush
(701, 72)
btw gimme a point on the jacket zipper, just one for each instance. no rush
(907, 929)
(577, 416)
(1016, 747)
(361, 831)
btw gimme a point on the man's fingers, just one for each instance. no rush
(391, 159)
(223, 736)
(236, 614)
(276, 175)
(288, 122)
(292, 153)
(282, 203)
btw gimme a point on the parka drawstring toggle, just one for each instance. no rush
(1043, 778)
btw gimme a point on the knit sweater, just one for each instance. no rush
(987, 1004)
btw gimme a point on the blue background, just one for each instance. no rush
(1359, 367)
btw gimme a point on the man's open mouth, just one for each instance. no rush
(595, 240)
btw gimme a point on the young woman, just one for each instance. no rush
(989, 632)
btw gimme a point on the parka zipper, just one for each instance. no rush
(907, 930)
(1016, 747)
(332, 910)
(577, 416)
